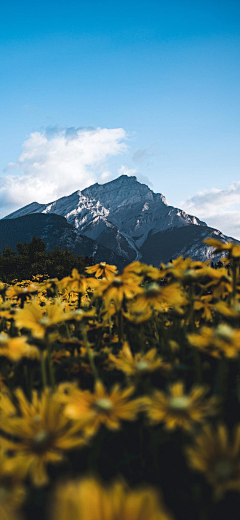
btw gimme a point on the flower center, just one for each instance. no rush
(44, 321)
(153, 289)
(79, 312)
(104, 404)
(37, 418)
(142, 366)
(102, 264)
(223, 469)
(224, 332)
(179, 403)
(189, 273)
(41, 440)
(117, 282)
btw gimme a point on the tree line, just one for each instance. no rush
(33, 259)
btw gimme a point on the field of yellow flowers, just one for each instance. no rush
(120, 393)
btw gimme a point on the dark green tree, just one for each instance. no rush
(33, 258)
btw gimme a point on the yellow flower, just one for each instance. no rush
(50, 286)
(137, 316)
(206, 271)
(102, 407)
(12, 493)
(39, 319)
(220, 282)
(17, 348)
(6, 310)
(218, 457)
(205, 307)
(143, 270)
(229, 311)
(108, 313)
(21, 292)
(177, 409)
(88, 499)
(176, 267)
(80, 314)
(6, 405)
(159, 298)
(3, 287)
(41, 434)
(118, 288)
(221, 290)
(139, 363)
(233, 249)
(221, 340)
(105, 270)
(76, 282)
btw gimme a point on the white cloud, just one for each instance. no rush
(56, 162)
(125, 170)
(218, 208)
(105, 176)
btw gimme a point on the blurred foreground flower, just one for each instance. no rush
(12, 492)
(22, 292)
(17, 348)
(177, 409)
(216, 454)
(138, 363)
(117, 289)
(89, 500)
(41, 434)
(223, 340)
(76, 282)
(159, 298)
(39, 319)
(232, 249)
(102, 407)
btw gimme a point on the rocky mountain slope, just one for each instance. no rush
(132, 221)
(56, 232)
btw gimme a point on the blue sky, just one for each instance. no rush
(147, 87)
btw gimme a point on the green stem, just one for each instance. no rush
(43, 369)
(79, 300)
(67, 330)
(110, 327)
(155, 325)
(192, 325)
(50, 365)
(120, 325)
(141, 339)
(90, 354)
(22, 301)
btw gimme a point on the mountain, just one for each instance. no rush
(56, 232)
(128, 218)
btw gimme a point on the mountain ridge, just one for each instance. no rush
(127, 217)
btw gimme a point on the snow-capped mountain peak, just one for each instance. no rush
(123, 215)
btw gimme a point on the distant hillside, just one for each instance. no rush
(56, 232)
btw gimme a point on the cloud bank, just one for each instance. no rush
(58, 161)
(218, 208)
